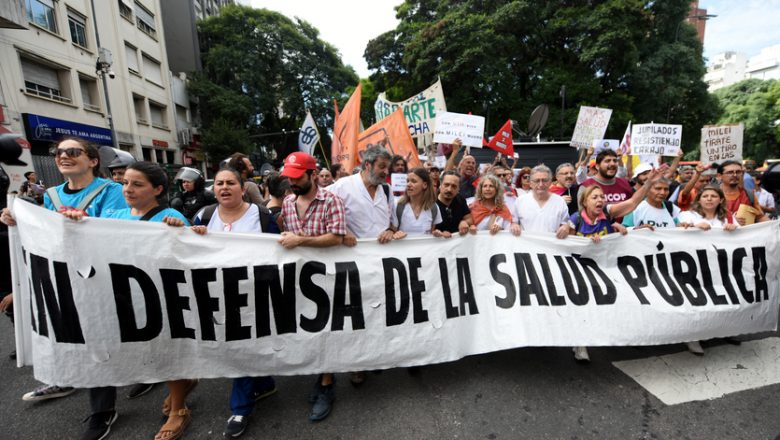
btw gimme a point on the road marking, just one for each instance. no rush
(683, 377)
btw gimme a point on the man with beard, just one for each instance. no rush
(367, 202)
(616, 189)
(566, 186)
(730, 174)
(455, 213)
(313, 217)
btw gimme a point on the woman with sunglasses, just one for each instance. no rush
(523, 181)
(233, 214)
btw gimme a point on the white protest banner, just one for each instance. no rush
(600, 145)
(420, 110)
(163, 303)
(592, 123)
(721, 142)
(663, 139)
(469, 129)
(398, 182)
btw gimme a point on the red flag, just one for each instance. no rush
(502, 141)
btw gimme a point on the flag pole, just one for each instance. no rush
(325, 156)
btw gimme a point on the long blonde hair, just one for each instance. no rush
(499, 199)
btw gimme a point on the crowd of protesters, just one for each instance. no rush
(313, 206)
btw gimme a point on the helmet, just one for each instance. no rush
(187, 173)
(115, 158)
(10, 150)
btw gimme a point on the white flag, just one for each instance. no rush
(308, 136)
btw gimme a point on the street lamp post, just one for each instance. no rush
(103, 68)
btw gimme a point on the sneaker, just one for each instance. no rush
(99, 425)
(695, 348)
(581, 354)
(140, 389)
(236, 425)
(48, 392)
(323, 404)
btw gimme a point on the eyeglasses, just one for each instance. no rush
(70, 152)
(733, 173)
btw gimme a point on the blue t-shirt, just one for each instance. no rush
(602, 226)
(124, 214)
(110, 199)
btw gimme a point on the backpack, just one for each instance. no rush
(265, 216)
(82, 206)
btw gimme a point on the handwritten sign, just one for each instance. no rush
(398, 182)
(721, 142)
(468, 128)
(663, 139)
(591, 125)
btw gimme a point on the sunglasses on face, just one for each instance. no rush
(526, 177)
(70, 152)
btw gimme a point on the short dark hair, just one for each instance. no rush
(27, 174)
(726, 163)
(155, 174)
(90, 148)
(448, 173)
(235, 172)
(335, 168)
(277, 184)
(237, 162)
(605, 153)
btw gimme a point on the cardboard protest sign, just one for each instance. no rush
(592, 123)
(164, 303)
(451, 126)
(420, 110)
(721, 142)
(663, 139)
(606, 144)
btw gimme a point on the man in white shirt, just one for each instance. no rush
(368, 204)
(540, 210)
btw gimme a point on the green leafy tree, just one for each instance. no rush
(756, 104)
(261, 71)
(503, 58)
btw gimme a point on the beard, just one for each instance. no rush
(301, 190)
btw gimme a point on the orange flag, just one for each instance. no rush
(396, 130)
(502, 141)
(345, 132)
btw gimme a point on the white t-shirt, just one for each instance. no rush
(510, 201)
(366, 217)
(535, 218)
(765, 198)
(249, 222)
(414, 226)
(646, 214)
(696, 218)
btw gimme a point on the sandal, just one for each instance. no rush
(166, 406)
(173, 431)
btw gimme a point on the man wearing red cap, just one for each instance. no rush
(312, 216)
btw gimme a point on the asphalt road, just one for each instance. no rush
(531, 393)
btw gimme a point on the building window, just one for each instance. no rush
(78, 28)
(89, 93)
(125, 11)
(147, 152)
(158, 155)
(45, 81)
(41, 12)
(152, 70)
(131, 53)
(145, 20)
(158, 114)
(169, 156)
(140, 109)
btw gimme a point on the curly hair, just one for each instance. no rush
(499, 199)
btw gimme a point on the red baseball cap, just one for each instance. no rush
(296, 164)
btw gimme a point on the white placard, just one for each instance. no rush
(591, 125)
(606, 144)
(398, 182)
(468, 128)
(663, 139)
(720, 143)
(164, 303)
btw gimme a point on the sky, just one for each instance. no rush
(741, 25)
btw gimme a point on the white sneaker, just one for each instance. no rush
(581, 354)
(695, 348)
(48, 392)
